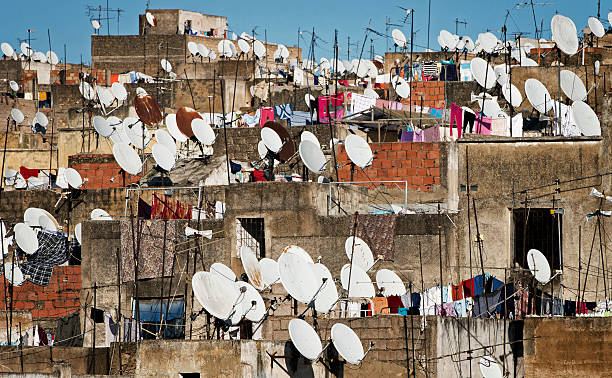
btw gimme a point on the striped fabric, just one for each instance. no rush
(430, 69)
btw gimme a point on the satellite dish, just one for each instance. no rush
(14, 86)
(298, 251)
(528, 62)
(359, 151)
(490, 108)
(596, 27)
(326, 299)
(390, 283)
(73, 177)
(40, 119)
(7, 49)
(151, 19)
(163, 157)
(347, 343)
(362, 254)
(26, 50)
(105, 96)
(118, 135)
(269, 271)
(147, 108)
(369, 92)
(99, 215)
(96, 24)
(225, 49)
(401, 87)
(305, 339)
(127, 158)
(133, 129)
(399, 38)
(298, 277)
(203, 132)
(31, 217)
(77, 233)
(348, 65)
(17, 115)
(193, 48)
(488, 41)
(363, 68)
(13, 273)
(308, 98)
(25, 237)
(52, 58)
(538, 95)
(564, 34)
(469, 43)
(216, 294)
(538, 265)
(102, 126)
(251, 267)
(119, 91)
(173, 128)
(47, 223)
(166, 66)
(184, 117)
(481, 69)
(284, 51)
(572, 86)
(445, 38)
(501, 74)
(271, 139)
(489, 368)
(307, 135)
(262, 149)
(259, 49)
(223, 271)
(312, 156)
(244, 46)
(203, 50)
(252, 304)
(360, 284)
(586, 119)
(512, 94)
(166, 140)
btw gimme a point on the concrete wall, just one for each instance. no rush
(172, 21)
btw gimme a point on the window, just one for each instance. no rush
(542, 233)
(151, 319)
(251, 233)
(189, 375)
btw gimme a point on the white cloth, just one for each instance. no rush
(219, 209)
(429, 299)
(568, 126)
(517, 126)
(360, 103)
(110, 338)
(298, 76)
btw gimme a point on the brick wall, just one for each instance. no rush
(59, 298)
(432, 93)
(417, 163)
(99, 171)
(72, 75)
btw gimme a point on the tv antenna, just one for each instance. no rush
(387, 24)
(95, 13)
(533, 5)
(457, 23)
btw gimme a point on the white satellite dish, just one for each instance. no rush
(501, 74)
(572, 86)
(151, 19)
(399, 38)
(105, 96)
(269, 271)
(564, 34)
(312, 156)
(298, 251)
(134, 128)
(489, 368)
(163, 157)
(203, 132)
(597, 65)
(259, 49)
(87, 91)
(327, 297)
(25, 237)
(298, 277)
(166, 66)
(596, 27)
(360, 284)
(96, 24)
(362, 254)
(490, 108)
(244, 46)
(118, 135)
(127, 158)
(26, 50)
(77, 233)
(17, 115)
(47, 223)
(362, 68)
(483, 73)
(262, 150)
(102, 126)
(307, 135)
(586, 119)
(99, 214)
(31, 217)
(119, 91)
(445, 39)
(203, 50)
(512, 94)
(173, 128)
(390, 283)
(538, 95)
(14, 86)
(347, 343)
(369, 92)
(487, 41)
(469, 43)
(308, 98)
(538, 265)
(251, 267)
(13, 273)
(225, 48)
(401, 87)
(73, 177)
(40, 119)
(528, 62)
(166, 140)
(348, 65)
(223, 271)
(52, 58)
(7, 49)
(216, 294)
(271, 139)
(359, 151)
(193, 48)
(305, 339)
(253, 307)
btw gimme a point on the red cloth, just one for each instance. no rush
(114, 78)
(258, 176)
(331, 107)
(27, 172)
(267, 114)
(394, 302)
(167, 208)
(468, 288)
(456, 118)
(457, 292)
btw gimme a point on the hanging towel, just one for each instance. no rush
(283, 111)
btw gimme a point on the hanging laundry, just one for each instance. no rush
(97, 315)
(379, 305)
(53, 249)
(131, 330)
(466, 71)
(27, 172)
(485, 305)
(68, 331)
(517, 126)
(359, 103)
(267, 114)
(144, 209)
(438, 113)
(377, 231)
(252, 120)
(482, 126)
(283, 111)
(431, 134)
(568, 125)
(430, 69)
(469, 118)
(498, 126)
(456, 119)
(110, 330)
(448, 73)
(331, 107)
(303, 118)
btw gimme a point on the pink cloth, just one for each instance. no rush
(431, 134)
(482, 126)
(267, 114)
(456, 118)
(331, 107)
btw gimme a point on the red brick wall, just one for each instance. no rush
(59, 299)
(431, 91)
(99, 170)
(417, 163)
(72, 75)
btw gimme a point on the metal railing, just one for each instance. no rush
(338, 183)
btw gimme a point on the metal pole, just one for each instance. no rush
(119, 320)
(440, 252)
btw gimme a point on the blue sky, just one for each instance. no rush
(69, 24)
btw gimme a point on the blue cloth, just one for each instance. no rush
(302, 118)
(438, 113)
(283, 111)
